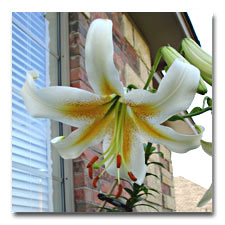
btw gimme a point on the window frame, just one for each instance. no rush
(64, 175)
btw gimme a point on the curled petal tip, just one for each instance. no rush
(33, 73)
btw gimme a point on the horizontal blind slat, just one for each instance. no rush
(30, 175)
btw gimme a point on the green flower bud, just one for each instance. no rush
(169, 54)
(199, 58)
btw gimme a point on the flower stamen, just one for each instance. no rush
(95, 182)
(131, 175)
(90, 172)
(118, 161)
(119, 192)
(92, 161)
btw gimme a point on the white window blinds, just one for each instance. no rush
(31, 164)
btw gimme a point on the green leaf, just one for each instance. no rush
(136, 186)
(157, 163)
(146, 205)
(152, 174)
(209, 101)
(159, 153)
(146, 194)
(175, 117)
(196, 109)
(148, 151)
(129, 191)
(152, 189)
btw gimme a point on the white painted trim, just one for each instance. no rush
(183, 25)
(65, 71)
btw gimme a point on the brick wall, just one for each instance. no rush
(132, 59)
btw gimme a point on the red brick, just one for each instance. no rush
(95, 15)
(116, 19)
(125, 194)
(96, 199)
(125, 184)
(83, 195)
(77, 38)
(79, 166)
(76, 62)
(165, 189)
(106, 176)
(77, 49)
(79, 17)
(165, 163)
(81, 84)
(77, 27)
(105, 186)
(85, 207)
(132, 57)
(80, 180)
(96, 172)
(78, 74)
(118, 63)
(87, 154)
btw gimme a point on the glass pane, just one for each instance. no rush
(34, 47)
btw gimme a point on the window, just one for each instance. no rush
(37, 171)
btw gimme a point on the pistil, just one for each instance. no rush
(114, 151)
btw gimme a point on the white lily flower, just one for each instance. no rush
(111, 115)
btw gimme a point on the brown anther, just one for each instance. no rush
(119, 192)
(95, 181)
(90, 172)
(92, 161)
(118, 161)
(132, 177)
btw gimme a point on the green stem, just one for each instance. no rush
(154, 67)
(197, 113)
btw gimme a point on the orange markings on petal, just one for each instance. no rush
(118, 161)
(132, 177)
(119, 192)
(93, 160)
(106, 88)
(90, 172)
(95, 182)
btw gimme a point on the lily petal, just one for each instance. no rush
(133, 153)
(86, 136)
(166, 136)
(207, 147)
(102, 73)
(72, 106)
(175, 94)
(206, 197)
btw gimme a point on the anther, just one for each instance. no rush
(118, 161)
(93, 160)
(132, 177)
(90, 172)
(95, 181)
(119, 192)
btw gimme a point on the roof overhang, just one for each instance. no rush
(163, 28)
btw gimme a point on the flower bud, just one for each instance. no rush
(199, 58)
(169, 54)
